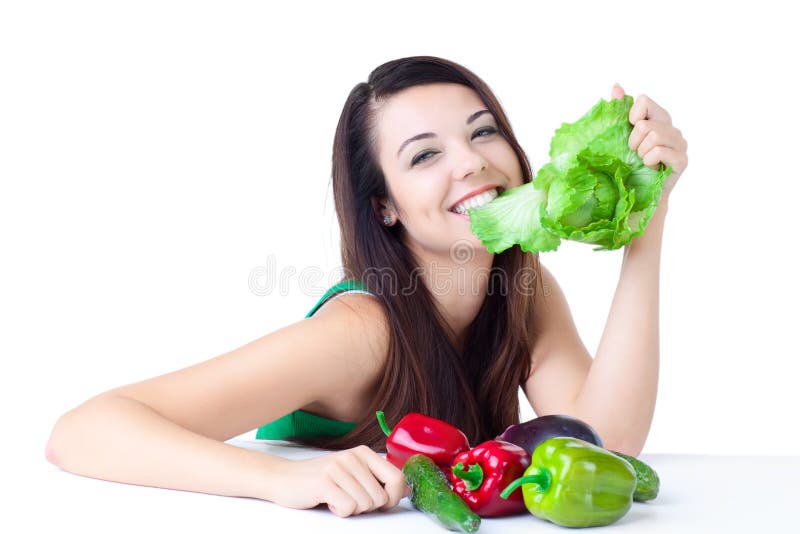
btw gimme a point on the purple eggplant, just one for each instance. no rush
(531, 433)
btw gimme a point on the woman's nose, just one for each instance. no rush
(471, 162)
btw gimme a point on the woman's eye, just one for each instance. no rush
(419, 158)
(488, 131)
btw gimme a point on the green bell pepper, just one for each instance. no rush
(574, 483)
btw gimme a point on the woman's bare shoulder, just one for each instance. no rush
(361, 320)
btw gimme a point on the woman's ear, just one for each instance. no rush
(383, 208)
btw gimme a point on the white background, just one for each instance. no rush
(155, 154)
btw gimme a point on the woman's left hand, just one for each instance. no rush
(655, 139)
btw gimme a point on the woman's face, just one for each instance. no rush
(463, 151)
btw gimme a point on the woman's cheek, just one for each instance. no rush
(508, 164)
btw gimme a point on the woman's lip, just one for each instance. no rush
(473, 193)
(464, 216)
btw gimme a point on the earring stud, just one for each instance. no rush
(387, 220)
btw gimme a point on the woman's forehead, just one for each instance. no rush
(425, 108)
(431, 100)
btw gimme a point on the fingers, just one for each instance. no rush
(339, 501)
(349, 472)
(645, 108)
(617, 93)
(354, 485)
(392, 478)
(361, 466)
(355, 478)
(668, 156)
(647, 134)
(653, 136)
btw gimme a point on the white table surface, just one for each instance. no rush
(698, 494)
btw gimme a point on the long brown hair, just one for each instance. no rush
(475, 389)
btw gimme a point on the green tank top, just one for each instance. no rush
(306, 424)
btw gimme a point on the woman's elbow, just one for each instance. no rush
(629, 447)
(50, 454)
(51, 450)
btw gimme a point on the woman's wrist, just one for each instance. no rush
(270, 477)
(653, 232)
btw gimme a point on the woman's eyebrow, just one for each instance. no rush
(426, 135)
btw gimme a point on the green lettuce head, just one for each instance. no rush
(595, 189)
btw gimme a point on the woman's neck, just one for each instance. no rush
(459, 288)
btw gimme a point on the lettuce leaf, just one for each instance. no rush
(594, 190)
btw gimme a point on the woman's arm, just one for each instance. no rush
(169, 431)
(616, 391)
(118, 438)
(619, 394)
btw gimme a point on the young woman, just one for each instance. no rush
(425, 320)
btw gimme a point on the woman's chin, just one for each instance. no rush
(467, 249)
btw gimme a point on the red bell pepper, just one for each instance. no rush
(481, 474)
(420, 434)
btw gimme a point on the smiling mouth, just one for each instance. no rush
(499, 190)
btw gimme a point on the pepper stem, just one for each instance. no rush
(473, 477)
(382, 422)
(541, 479)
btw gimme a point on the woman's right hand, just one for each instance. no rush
(350, 482)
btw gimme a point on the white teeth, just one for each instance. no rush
(475, 201)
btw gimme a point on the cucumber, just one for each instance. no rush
(647, 482)
(431, 494)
